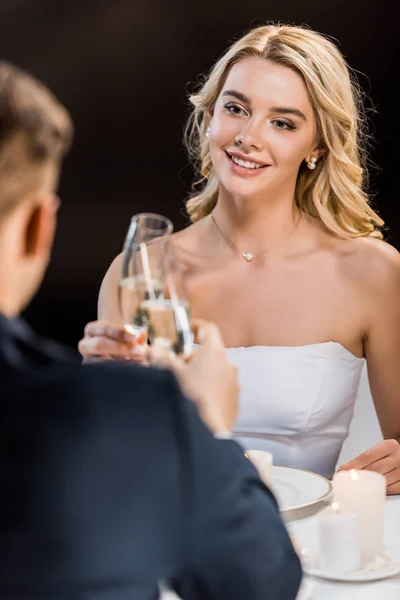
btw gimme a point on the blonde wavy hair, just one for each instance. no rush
(334, 191)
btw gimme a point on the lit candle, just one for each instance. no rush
(263, 463)
(339, 541)
(363, 493)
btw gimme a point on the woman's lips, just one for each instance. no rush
(246, 171)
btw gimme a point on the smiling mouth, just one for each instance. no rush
(246, 164)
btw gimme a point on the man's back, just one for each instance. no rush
(111, 484)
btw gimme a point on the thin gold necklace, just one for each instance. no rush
(249, 256)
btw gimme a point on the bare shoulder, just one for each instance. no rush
(376, 257)
(191, 243)
(113, 271)
(374, 263)
(107, 307)
(188, 237)
(184, 241)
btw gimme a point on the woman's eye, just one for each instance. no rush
(234, 109)
(281, 124)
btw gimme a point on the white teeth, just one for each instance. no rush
(245, 163)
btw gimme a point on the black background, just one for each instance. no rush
(124, 68)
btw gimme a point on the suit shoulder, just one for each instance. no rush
(116, 376)
(110, 385)
(125, 373)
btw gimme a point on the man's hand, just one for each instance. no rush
(208, 377)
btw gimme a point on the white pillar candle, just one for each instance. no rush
(339, 541)
(363, 493)
(263, 463)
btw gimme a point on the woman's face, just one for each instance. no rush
(262, 128)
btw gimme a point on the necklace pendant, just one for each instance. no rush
(247, 256)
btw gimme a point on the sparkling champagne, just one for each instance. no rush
(168, 324)
(166, 320)
(132, 292)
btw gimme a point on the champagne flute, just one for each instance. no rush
(168, 316)
(153, 297)
(144, 267)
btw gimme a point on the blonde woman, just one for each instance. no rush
(285, 253)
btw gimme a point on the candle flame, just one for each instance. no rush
(354, 475)
(336, 507)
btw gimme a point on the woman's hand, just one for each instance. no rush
(384, 458)
(102, 341)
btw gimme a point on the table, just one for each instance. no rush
(303, 525)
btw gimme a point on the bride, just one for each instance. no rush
(285, 253)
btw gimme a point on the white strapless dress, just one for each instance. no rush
(297, 402)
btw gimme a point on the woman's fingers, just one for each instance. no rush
(106, 342)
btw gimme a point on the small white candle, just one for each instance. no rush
(363, 493)
(263, 463)
(339, 541)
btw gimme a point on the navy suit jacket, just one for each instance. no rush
(110, 483)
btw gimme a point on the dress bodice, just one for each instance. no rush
(297, 401)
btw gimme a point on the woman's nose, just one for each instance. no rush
(250, 137)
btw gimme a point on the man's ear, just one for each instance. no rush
(41, 225)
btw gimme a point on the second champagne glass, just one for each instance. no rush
(168, 315)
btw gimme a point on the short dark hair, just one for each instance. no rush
(29, 109)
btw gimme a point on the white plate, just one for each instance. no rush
(296, 488)
(385, 566)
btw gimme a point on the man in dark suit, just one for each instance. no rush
(110, 480)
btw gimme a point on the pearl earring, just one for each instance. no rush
(311, 163)
(208, 132)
